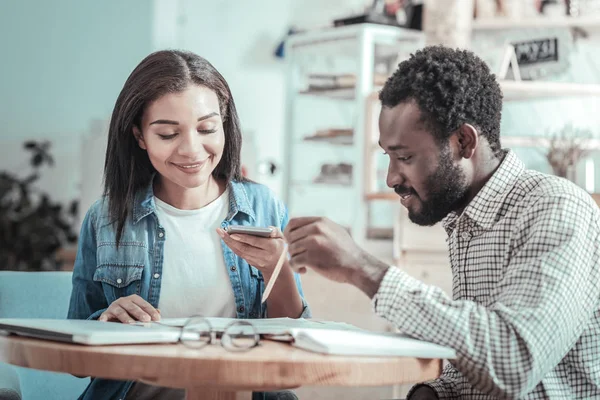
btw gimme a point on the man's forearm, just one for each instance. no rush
(484, 337)
(369, 276)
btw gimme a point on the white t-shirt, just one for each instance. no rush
(195, 280)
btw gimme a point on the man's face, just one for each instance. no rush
(425, 174)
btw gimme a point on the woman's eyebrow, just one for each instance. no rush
(170, 122)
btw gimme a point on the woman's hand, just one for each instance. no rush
(262, 253)
(130, 309)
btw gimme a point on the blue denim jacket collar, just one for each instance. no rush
(238, 202)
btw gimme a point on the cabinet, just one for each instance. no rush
(331, 74)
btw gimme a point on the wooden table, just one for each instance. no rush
(213, 372)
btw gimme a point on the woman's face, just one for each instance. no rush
(183, 135)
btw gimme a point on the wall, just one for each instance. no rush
(63, 64)
(66, 60)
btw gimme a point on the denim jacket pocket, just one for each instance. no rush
(118, 276)
(119, 280)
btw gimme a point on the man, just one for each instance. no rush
(524, 246)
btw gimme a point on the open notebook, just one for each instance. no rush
(366, 343)
(325, 337)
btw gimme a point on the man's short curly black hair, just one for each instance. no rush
(451, 87)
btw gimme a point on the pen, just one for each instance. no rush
(274, 276)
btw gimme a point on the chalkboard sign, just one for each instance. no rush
(536, 51)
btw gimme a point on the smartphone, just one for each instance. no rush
(249, 230)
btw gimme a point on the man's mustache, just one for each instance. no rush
(401, 191)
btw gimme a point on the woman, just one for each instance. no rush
(172, 184)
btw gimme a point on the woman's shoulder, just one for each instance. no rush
(98, 211)
(100, 207)
(260, 199)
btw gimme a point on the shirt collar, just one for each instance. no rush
(144, 204)
(486, 205)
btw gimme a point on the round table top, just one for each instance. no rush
(272, 365)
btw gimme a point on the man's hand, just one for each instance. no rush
(326, 247)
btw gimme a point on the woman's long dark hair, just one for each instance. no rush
(127, 168)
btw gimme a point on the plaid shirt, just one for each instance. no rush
(525, 317)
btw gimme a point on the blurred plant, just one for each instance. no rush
(32, 226)
(566, 148)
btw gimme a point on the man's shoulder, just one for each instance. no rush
(537, 195)
(535, 186)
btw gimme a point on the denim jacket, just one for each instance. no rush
(103, 273)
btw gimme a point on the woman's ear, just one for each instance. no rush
(468, 138)
(139, 137)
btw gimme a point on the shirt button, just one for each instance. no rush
(241, 309)
(233, 268)
(466, 235)
(160, 234)
(156, 276)
(119, 280)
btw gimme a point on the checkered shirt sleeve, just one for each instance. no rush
(525, 319)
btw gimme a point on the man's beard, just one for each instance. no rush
(447, 190)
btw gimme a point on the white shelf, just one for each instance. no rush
(347, 93)
(589, 23)
(531, 90)
(533, 141)
(528, 90)
(328, 184)
(342, 40)
(339, 94)
(336, 141)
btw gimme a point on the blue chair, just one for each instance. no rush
(36, 295)
(10, 389)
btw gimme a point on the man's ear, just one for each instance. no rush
(139, 137)
(467, 139)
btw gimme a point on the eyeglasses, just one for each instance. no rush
(237, 335)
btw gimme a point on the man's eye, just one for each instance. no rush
(167, 137)
(404, 158)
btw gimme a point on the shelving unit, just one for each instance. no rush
(407, 236)
(363, 47)
(362, 52)
(513, 91)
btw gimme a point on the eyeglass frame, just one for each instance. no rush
(213, 334)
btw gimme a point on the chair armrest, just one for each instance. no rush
(10, 387)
